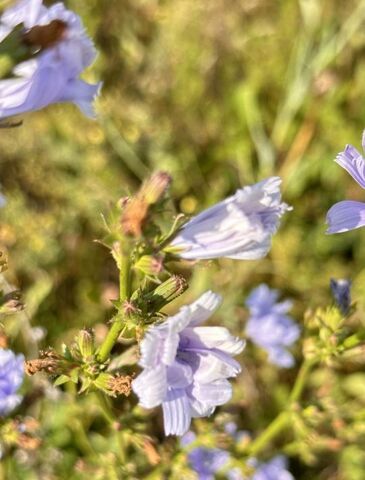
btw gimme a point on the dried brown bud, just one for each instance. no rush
(48, 362)
(45, 36)
(136, 210)
(120, 385)
(134, 216)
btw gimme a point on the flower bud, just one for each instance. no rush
(155, 187)
(166, 292)
(85, 342)
(150, 264)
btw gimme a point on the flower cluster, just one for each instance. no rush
(270, 327)
(239, 227)
(11, 377)
(186, 366)
(51, 75)
(207, 462)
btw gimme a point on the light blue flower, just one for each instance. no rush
(270, 327)
(239, 227)
(52, 74)
(186, 366)
(11, 377)
(348, 215)
(275, 469)
(341, 293)
(207, 461)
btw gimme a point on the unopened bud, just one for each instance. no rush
(85, 342)
(150, 264)
(167, 291)
(155, 187)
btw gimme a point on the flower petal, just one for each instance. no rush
(151, 386)
(210, 395)
(345, 216)
(212, 337)
(353, 162)
(179, 375)
(203, 307)
(176, 412)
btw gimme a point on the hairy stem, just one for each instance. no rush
(118, 325)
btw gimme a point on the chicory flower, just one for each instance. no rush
(51, 75)
(270, 327)
(11, 378)
(239, 227)
(348, 215)
(186, 366)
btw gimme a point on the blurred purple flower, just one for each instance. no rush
(51, 75)
(239, 227)
(269, 327)
(207, 461)
(341, 292)
(275, 469)
(186, 366)
(348, 215)
(11, 377)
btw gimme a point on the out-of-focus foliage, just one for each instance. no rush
(219, 94)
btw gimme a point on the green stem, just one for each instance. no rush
(275, 427)
(283, 419)
(299, 384)
(119, 324)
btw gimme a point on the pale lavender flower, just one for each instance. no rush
(239, 227)
(348, 215)
(186, 366)
(275, 469)
(270, 327)
(341, 293)
(207, 461)
(11, 377)
(52, 74)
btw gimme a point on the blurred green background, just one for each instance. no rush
(220, 94)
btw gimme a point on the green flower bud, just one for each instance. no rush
(85, 342)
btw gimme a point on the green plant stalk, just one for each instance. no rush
(283, 419)
(119, 324)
